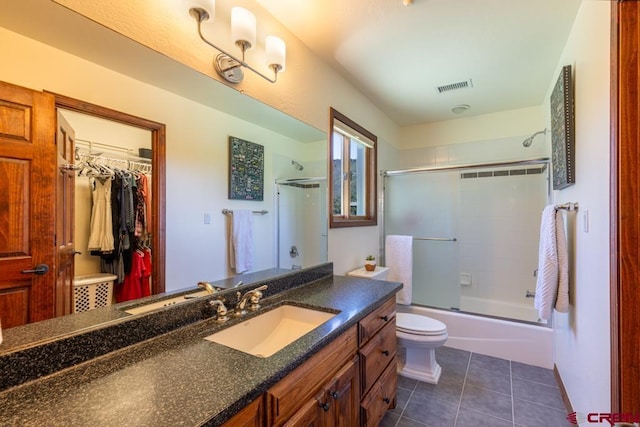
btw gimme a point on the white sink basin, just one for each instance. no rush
(165, 303)
(267, 333)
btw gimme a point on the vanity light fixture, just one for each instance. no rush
(243, 31)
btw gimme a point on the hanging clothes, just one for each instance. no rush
(136, 282)
(101, 235)
(120, 221)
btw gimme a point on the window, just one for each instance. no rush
(352, 173)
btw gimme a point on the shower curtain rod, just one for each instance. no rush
(537, 161)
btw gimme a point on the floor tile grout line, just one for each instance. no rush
(537, 382)
(415, 386)
(513, 410)
(540, 404)
(464, 382)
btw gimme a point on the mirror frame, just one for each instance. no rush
(158, 177)
(371, 217)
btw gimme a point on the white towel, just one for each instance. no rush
(241, 241)
(552, 284)
(398, 252)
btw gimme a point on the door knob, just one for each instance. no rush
(39, 269)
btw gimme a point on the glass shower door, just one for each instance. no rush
(426, 206)
(302, 222)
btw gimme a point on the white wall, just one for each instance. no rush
(582, 336)
(197, 154)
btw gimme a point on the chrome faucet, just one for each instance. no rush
(207, 287)
(253, 296)
(221, 310)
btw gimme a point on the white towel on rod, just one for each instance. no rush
(398, 252)
(552, 284)
(241, 241)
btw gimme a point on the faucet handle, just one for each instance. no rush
(254, 300)
(221, 310)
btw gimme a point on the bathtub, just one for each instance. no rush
(506, 309)
(520, 342)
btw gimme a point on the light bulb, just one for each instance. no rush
(243, 27)
(276, 53)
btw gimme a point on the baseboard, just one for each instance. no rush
(563, 391)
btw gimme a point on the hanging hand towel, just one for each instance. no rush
(552, 282)
(398, 252)
(241, 241)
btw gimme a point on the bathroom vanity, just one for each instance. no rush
(342, 370)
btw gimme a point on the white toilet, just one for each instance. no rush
(418, 337)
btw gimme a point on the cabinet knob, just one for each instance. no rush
(385, 318)
(333, 394)
(324, 406)
(386, 400)
(385, 352)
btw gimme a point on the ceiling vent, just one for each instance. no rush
(455, 86)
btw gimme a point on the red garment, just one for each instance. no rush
(136, 282)
(146, 273)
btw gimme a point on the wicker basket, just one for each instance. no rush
(92, 291)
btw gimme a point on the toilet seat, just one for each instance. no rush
(415, 324)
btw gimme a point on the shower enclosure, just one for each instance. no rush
(302, 222)
(475, 230)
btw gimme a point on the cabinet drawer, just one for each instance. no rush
(381, 397)
(297, 388)
(376, 355)
(376, 320)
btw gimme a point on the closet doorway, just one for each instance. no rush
(111, 140)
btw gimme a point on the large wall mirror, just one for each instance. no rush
(352, 170)
(186, 118)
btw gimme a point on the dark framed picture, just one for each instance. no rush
(246, 170)
(563, 131)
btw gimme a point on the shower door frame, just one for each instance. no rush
(449, 168)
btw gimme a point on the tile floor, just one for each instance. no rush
(477, 391)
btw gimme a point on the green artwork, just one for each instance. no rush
(562, 131)
(246, 170)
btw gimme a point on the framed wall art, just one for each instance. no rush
(563, 131)
(246, 170)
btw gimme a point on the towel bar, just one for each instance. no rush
(439, 239)
(569, 206)
(230, 212)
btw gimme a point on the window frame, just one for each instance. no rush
(371, 206)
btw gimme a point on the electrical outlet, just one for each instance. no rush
(207, 218)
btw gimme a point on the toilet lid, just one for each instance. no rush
(419, 325)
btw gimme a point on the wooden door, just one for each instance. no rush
(27, 204)
(625, 205)
(64, 239)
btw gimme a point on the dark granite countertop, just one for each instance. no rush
(178, 378)
(46, 330)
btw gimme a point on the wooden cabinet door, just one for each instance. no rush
(343, 397)
(251, 416)
(310, 415)
(64, 241)
(27, 204)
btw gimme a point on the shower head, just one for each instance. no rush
(297, 165)
(527, 142)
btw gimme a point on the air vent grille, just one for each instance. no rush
(455, 86)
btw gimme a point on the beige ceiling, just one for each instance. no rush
(398, 55)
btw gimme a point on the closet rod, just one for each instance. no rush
(102, 144)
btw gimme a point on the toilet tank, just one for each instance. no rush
(380, 273)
